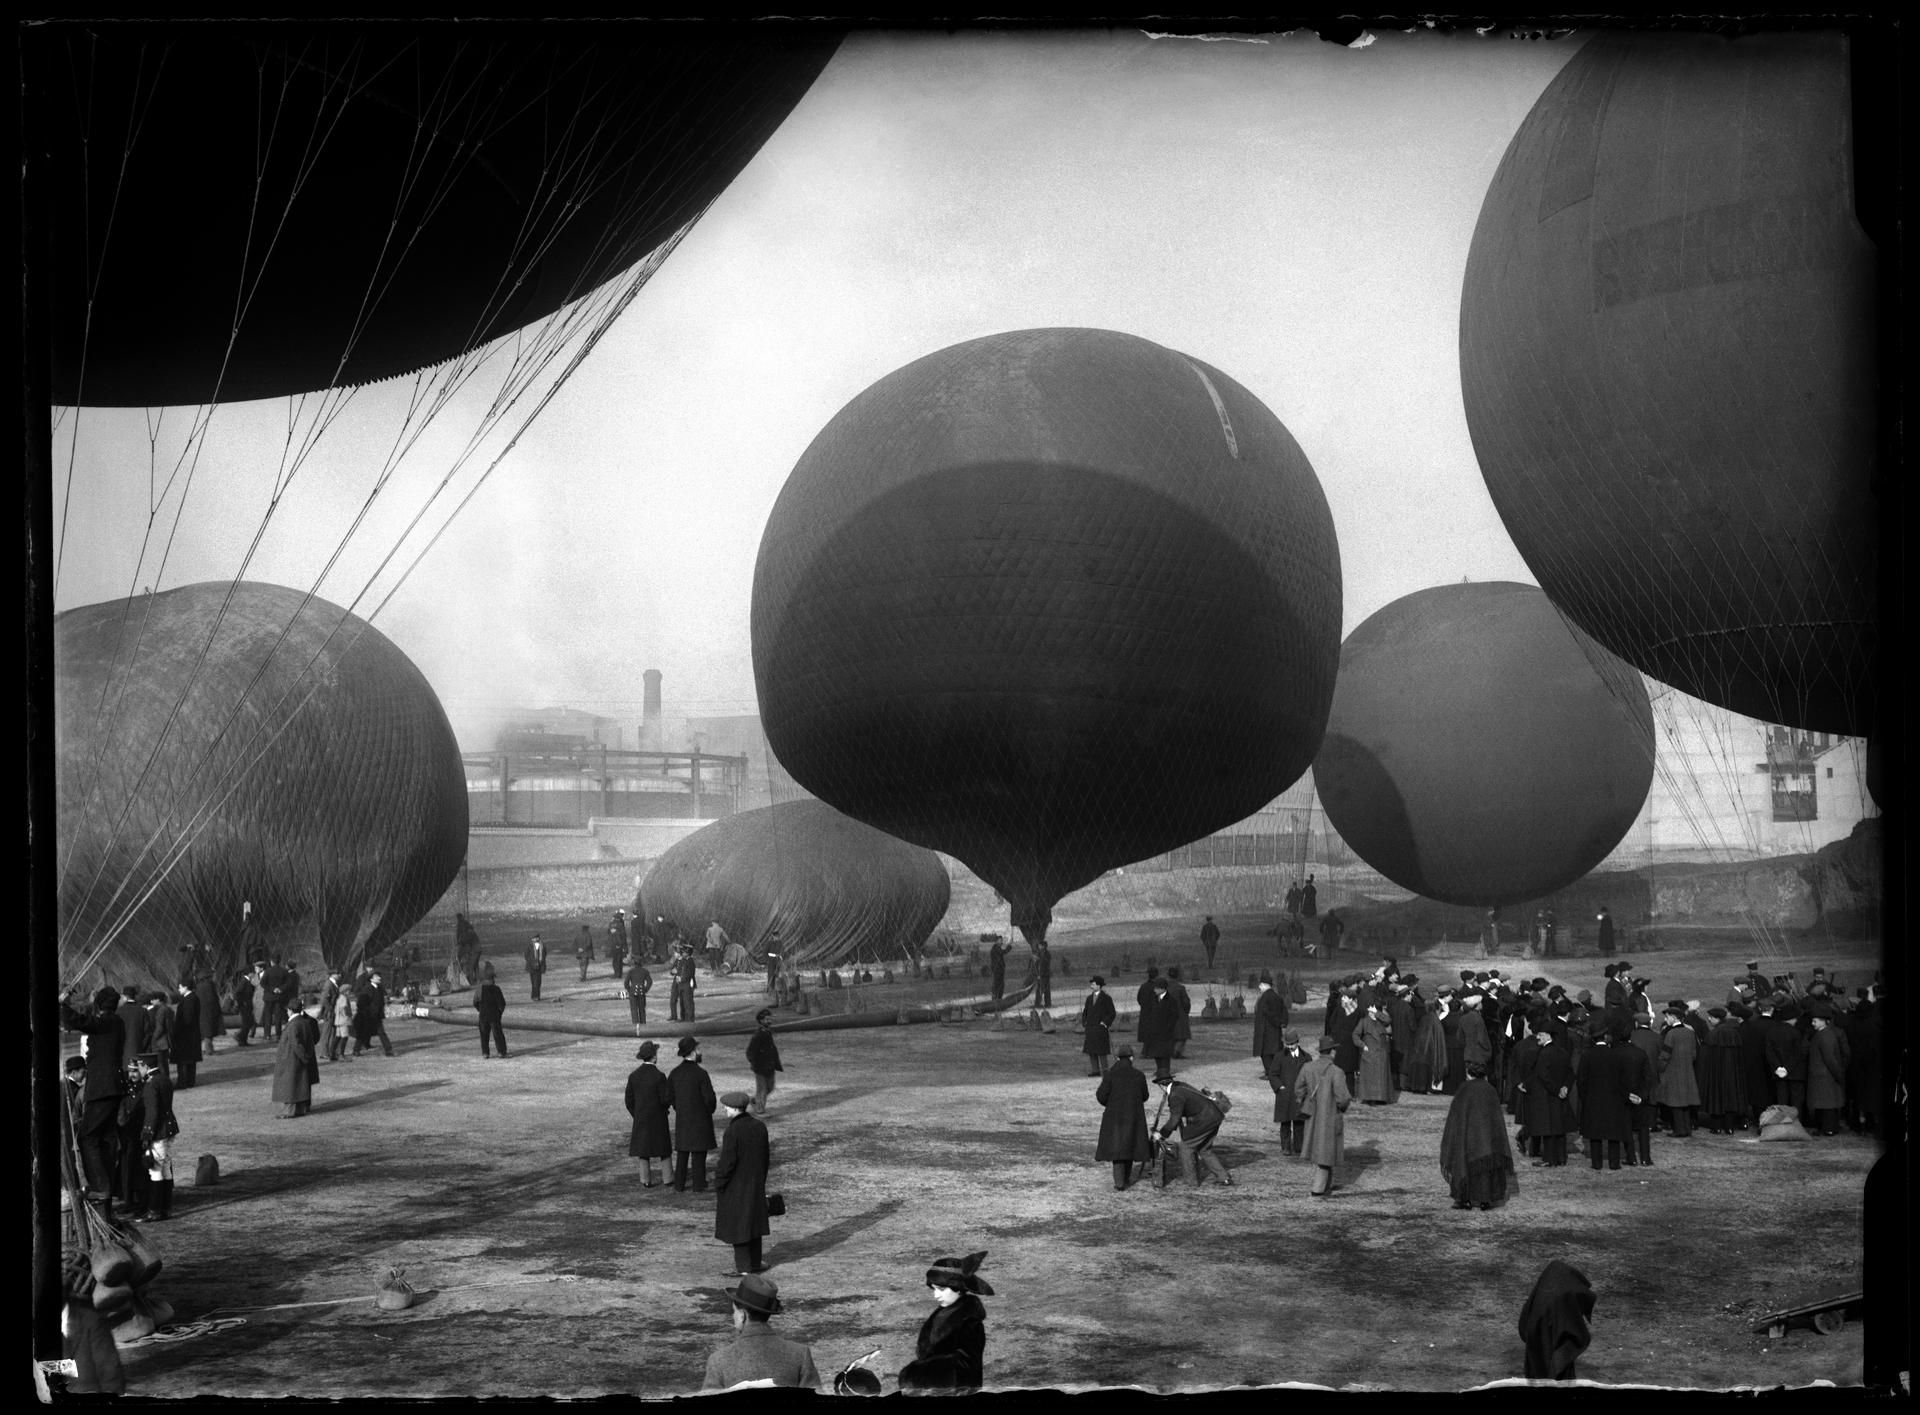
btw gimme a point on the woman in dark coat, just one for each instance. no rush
(951, 1351)
(1157, 1028)
(1546, 1086)
(693, 1104)
(1347, 1017)
(1123, 1120)
(1475, 1156)
(1427, 1059)
(648, 1101)
(1096, 1019)
(740, 1177)
(1283, 1069)
(1723, 1079)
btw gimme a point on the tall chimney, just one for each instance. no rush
(650, 712)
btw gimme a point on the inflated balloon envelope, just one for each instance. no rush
(1051, 601)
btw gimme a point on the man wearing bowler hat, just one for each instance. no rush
(740, 1184)
(755, 1354)
(1199, 1121)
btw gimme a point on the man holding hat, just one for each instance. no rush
(755, 1353)
(693, 1103)
(1123, 1120)
(740, 1184)
(648, 1100)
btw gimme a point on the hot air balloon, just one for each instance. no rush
(1667, 355)
(1050, 601)
(1481, 750)
(240, 211)
(239, 765)
(833, 888)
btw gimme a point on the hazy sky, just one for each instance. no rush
(1292, 212)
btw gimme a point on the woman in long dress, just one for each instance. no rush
(1475, 1156)
(1373, 1035)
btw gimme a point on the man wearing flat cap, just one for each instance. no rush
(756, 1354)
(740, 1183)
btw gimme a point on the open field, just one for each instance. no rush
(503, 1187)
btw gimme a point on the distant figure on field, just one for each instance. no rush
(637, 983)
(755, 1353)
(583, 950)
(1309, 896)
(1043, 975)
(1182, 1012)
(997, 966)
(1096, 1018)
(1293, 899)
(491, 1003)
(536, 958)
(763, 1059)
(1332, 928)
(1209, 938)
(950, 1353)
(1604, 919)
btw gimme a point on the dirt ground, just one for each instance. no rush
(504, 1189)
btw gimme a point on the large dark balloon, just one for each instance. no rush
(1050, 601)
(291, 757)
(1479, 751)
(1667, 352)
(834, 888)
(387, 195)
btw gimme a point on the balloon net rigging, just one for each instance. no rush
(177, 747)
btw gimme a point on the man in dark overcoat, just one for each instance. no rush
(740, 1184)
(207, 992)
(1096, 1021)
(187, 1035)
(1269, 1019)
(997, 966)
(693, 1103)
(1209, 938)
(491, 1003)
(1182, 1012)
(1123, 1119)
(1606, 1114)
(1546, 1087)
(105, 1083)
(275, 998)
(1753, 1060)
(296, 1066)
(243, 992)
(1786, 1061)
(648, 1100)
(1643, 1078)
(637, 983)
(1283, 1068)
(1156, 1028)
(1043, 975)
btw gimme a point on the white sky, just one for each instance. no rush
(1292, 212)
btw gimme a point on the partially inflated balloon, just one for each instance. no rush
(1667, 355)
(831, 887)
(239, 765)
(1480, 750)
(1050, 601)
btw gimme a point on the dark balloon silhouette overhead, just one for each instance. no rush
(1667, 355)
(248, 211)
(1479, 751)
(1051, 601)
(832, 888)
(278, 776)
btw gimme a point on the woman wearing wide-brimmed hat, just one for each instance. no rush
(951, 1352)
(1322, 1093)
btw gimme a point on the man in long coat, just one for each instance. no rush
(1606, 1112)
(1143, 998)
(1546, 1086)
(1269, 1021)
(277, 998)
(1209, 938)
(1646, 1079)
(740, 1184)
(1157, 1028)
(1678, 1090)
(296, 1066)
(763, 1059)
(1475, 1156)
(212, 1024)
(693, 1104)
(1283, 1069)
(491, 1003)
(1182, 1012)
(997, 966)
(637, 983)
(1373, 1079)
(1123, 1118)
(1096, 1019)
(1827, 1060)
(1321, 1090)
(648, 1100)
(186, 1036)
